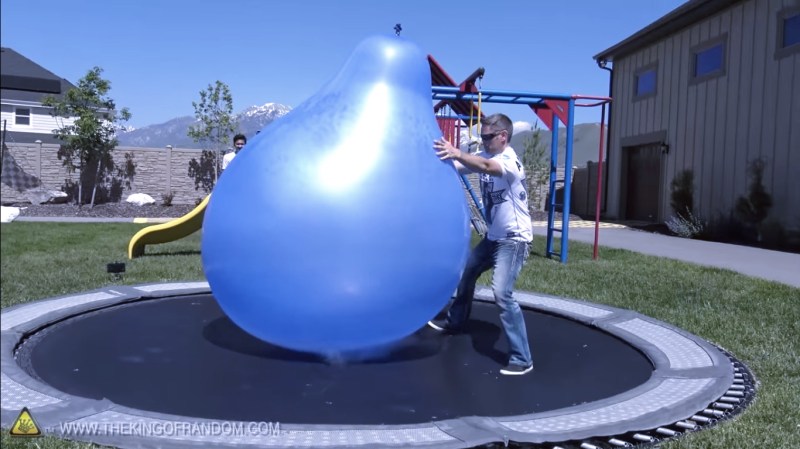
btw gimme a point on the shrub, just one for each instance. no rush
(754, 208)
(689, 226)
(167, 197)
(682, 195)
(773, 235)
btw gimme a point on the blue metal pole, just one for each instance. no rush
(455, 116)
(567, 183)
(503, 93)
(551, 213)
(486, 100)
(478, 203)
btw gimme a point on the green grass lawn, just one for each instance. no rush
(757, 321)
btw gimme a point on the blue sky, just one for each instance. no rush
(159, 55)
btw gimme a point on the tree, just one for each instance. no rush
(87, 142)
(213, 129)
(754, 208)
(535, 159)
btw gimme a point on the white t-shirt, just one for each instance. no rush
(227, 159)
(505, 199)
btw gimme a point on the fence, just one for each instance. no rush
(584, 190)
(159, 171)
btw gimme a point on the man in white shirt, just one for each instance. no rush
(239, 141)
(507, 243)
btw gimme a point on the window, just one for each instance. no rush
(646, 82)
(788, 41)
(708, 59)
(791, 30)
(22, 116)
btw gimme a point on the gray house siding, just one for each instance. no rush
(715, 126)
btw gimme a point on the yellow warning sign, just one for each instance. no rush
(25, 425)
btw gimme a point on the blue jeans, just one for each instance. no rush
(506, 258)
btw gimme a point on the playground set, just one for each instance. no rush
(458, 107)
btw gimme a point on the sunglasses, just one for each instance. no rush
(488, 137)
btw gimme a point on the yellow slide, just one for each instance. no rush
(168, 232)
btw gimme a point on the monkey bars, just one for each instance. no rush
(552, 109)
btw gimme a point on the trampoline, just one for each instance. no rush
(134, 358)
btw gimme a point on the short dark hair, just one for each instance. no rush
(239, 137)
(500, 122)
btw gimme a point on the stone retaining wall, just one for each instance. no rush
(163, 170)
(158, 171)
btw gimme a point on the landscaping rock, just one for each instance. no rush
(8, 214)
(140, 199)
(46, 196)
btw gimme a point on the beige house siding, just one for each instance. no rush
(718, 126)
(41, 120)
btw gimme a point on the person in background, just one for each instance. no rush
(239, 141)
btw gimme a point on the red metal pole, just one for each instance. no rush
(599, 182)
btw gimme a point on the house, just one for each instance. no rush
(23, 86)
(708, 90)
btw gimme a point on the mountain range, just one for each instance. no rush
(174, 132)
(586, 136)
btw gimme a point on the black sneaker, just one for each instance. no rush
(516, 370)
(443, 327)
(439, 325)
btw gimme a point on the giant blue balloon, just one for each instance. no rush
(337, 228)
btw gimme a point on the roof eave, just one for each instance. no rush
(679, 18)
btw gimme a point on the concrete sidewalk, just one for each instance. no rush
(776, 266)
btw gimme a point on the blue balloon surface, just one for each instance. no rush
(337, 228)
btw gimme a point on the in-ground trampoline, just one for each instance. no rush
(160, 365)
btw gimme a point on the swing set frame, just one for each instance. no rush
(553, 110)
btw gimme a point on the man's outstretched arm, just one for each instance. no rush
(465, 161)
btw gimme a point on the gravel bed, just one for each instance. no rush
(128, 210)
(107, 210)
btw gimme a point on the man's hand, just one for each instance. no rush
(445, 150)
(465, 162)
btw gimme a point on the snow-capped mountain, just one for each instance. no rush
(123, 128)
(255, 118)
(267, 109)
(174, 132)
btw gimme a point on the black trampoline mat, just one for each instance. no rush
(183, 356)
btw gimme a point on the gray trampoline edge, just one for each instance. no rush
(690, 375)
